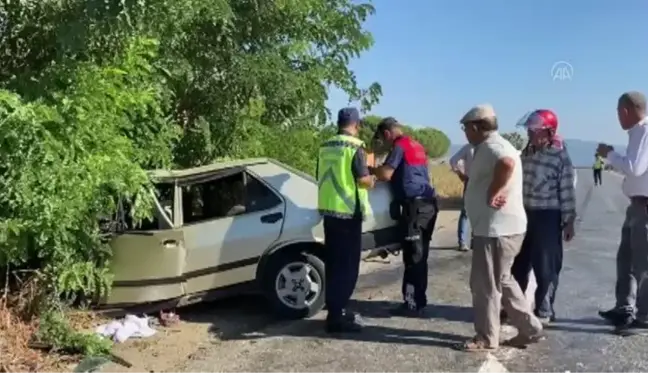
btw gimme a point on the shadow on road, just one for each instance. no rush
(247, 315)
(583, 325)
(370, 333)
(231, 317)
(380, 310)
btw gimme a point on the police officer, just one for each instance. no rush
(406, 168)
(598, 170)
(343, 178)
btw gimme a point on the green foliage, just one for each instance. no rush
(93, 92)
(65, 157)
(54, 330)
(436, 143)
(516, 139)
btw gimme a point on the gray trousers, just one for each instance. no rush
(493, 286)
(632, 261)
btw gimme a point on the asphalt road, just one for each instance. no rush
(579, 341)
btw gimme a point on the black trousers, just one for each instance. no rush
(598, 179)
(417, 222)
(542, 252)
(343, 242)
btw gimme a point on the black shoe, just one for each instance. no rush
(403, 310)
(352, 317)
(343, 325)
(614, 316)
(639, 325)
(633, 325)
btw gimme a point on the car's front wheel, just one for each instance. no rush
(293, 282)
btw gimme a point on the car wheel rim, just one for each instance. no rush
(298, 285)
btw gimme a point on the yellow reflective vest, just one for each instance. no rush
(338, 191)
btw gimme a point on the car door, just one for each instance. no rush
(225, 242)
(148, 260)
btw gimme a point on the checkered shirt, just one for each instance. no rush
(549, 181)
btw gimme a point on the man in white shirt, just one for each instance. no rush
(631, 310)
(495, 209)
(460, 164)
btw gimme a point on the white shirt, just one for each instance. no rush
(635, 163)
(463, 155)
(486, 221)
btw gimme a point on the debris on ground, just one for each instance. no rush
(169, 319)
(91, 364)
(129, 327)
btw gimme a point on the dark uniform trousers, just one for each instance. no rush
(343, 243)
(417, 222)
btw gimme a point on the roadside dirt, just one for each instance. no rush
(205, 325)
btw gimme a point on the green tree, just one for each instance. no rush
(516, 139)
(230, 66)
(436, 143)
(93, 92)
(65, 158)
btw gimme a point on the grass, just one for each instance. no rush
(448, 186)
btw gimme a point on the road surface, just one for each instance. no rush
(579, 341)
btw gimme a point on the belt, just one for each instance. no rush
(419, 198)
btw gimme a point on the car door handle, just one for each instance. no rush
(271, 218)
(170, 243)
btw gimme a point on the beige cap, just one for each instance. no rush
(479, 112)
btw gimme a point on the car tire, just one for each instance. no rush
(282, 290)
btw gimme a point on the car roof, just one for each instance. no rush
(163, 175)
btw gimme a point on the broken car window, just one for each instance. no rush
(231, 195)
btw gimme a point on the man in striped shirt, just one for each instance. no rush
(550, 203)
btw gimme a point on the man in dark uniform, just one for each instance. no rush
(343, 179)
(406, 168)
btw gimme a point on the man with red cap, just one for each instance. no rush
(550, 204)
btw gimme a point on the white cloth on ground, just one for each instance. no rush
(131, 326)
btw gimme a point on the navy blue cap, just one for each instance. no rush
(347, 116)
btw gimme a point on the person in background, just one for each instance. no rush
(406, 168)
(550, 203)
(631, 310)
(460, 164)
(343, 178)
(598, 170)
(494, 204)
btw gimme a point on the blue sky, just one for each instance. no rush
(437, 58)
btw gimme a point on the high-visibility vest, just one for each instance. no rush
(598, 164)
(338, 191)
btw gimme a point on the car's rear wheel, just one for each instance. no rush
(294, 284)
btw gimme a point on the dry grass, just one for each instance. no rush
(18, 324)
(447, 184)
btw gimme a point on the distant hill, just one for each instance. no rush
(581, 151)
